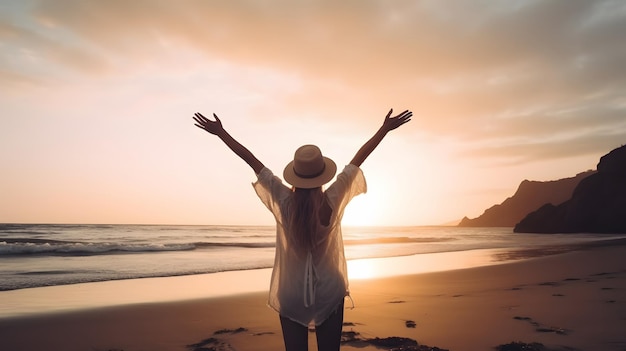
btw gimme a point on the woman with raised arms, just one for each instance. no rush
(309, 279)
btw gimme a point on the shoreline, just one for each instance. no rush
(568, 301)
(74, 297)
(123, 292)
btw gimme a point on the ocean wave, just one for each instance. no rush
(8, 248)
(396, 240)
(257, 245)
(34, 279)
(34, 246)
(31, 246)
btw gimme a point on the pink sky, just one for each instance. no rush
(97, 97)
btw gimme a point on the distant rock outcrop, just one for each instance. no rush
(598, 204)
(530, 195)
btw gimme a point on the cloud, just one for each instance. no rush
(526, 73)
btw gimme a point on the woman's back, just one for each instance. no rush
(308, 283)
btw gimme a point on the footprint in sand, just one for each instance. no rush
(355, 339)
(230, 331)
(210, 344)
(549, 284)
(215, 344)
(517, 346)
(542, 328)
(263, 333)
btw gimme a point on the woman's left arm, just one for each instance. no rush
(216, 128)
(389, 124)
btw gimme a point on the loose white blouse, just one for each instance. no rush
(309, 287)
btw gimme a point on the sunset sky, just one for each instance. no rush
(97, 99)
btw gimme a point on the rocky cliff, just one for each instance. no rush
(597, 205)
(530, 195)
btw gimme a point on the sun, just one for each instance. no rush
(369, 209)
(363, 269)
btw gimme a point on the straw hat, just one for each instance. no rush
(309, 169)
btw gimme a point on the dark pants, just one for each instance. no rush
(328, 334)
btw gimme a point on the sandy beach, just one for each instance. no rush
(567, 301)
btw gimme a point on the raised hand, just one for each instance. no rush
(213, 127)
(392, 123)
(389, 124)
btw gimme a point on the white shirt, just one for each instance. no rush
(308, 288)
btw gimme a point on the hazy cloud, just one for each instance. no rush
(533, 74)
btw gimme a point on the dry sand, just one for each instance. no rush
(568, 301)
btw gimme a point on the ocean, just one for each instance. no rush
(37, 255)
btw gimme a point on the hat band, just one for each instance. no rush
(308, 176)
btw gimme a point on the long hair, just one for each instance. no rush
(303, 222)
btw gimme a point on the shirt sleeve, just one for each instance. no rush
(350, 183)
(271, 191)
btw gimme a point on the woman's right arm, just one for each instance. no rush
(216, 128)
(389, 124)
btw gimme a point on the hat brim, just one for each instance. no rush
(290, 176)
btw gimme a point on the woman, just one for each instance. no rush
(309, 280)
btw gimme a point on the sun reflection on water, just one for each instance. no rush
(414, 264)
